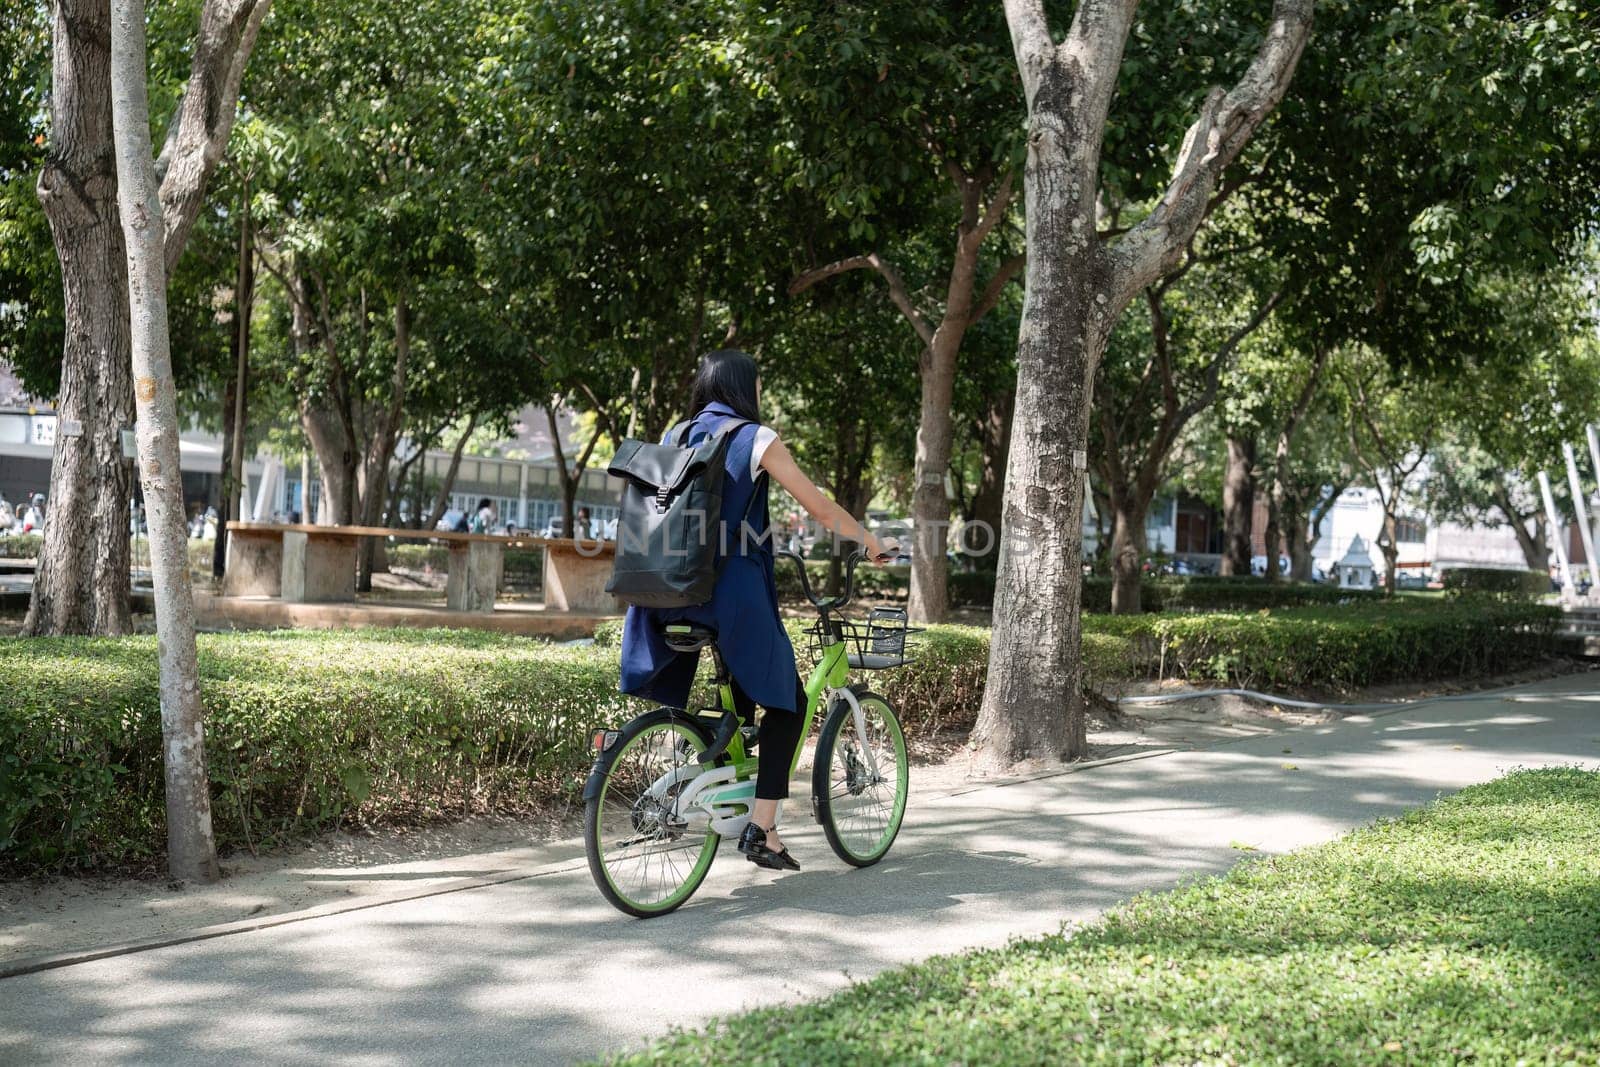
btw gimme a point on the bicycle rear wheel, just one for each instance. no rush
(643, 855)
(860, 779)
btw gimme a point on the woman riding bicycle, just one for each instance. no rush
(744, 606)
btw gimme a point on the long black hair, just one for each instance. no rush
(726, 376)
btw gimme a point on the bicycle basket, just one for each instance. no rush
(878, 643)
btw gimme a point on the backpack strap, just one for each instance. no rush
(728, 430)
(760, 484)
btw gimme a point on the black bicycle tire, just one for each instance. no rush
(821, 774)
(591, 813)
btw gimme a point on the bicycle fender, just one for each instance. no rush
(595, 782)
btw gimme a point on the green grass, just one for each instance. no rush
(1468, 931)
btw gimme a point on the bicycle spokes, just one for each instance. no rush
(865, 780)
(649, 854)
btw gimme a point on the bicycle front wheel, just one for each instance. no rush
(643, 855)
(860, 779)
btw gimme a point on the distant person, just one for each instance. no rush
(485, 519)
(294, 518)
(8, 517)
(454, 520)
(33, 515)
(583, 526)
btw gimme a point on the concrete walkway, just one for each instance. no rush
(540, 970)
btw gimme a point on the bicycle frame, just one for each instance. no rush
(721, 799)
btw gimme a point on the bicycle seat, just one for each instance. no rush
(687, 636)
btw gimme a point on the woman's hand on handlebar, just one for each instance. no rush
(881, 552)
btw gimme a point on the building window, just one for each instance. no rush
(1413, 530)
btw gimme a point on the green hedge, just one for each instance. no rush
(304, 730)
(524, 567)
(1208, 593)
(975, 589)
(1340, 648)
(1491, 581)
(310, 730)
(20, 546)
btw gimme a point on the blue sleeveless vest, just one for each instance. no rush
(743, 609)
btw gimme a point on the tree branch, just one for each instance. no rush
(1031, 40)
(1220, 358)
(998, 203)
(1225, 124)
(197, 134)
(898, 293)
(1003, 275)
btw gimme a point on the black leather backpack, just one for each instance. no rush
(670, 540)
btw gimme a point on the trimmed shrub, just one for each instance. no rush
(1211, 593)
(1166, 593)
(419, 555)
(1337, 648)
(21, 546)
(306, 731)
(311, 730)
(524, 567)
(1495, 582)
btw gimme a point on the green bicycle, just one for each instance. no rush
(667, 787)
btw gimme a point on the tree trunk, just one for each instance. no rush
(81, 584)
(1301, 543)
(1238, 505)
(238, 391)
(1032, 703)
(1391, 551)
(219, 548)
(373, 478)
(1102, 524)
(988, 501)
(336, 464)
(930, 504)
(1535, 552)
(442, 503)
(1127, 557)
(1274, 537)
(1076, 288)
(191, 852)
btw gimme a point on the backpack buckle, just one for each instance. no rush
(662, 494)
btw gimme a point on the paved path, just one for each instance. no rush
(541, 971)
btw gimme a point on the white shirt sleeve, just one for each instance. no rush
(765, 435)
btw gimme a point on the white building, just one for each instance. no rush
(1429, 549)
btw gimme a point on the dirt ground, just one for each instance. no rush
(47, 916)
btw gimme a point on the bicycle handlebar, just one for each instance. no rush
(849, 580)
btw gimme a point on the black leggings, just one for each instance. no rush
(779, 737)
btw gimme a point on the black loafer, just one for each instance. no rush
(753, 843)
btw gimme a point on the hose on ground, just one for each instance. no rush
(1290, 702)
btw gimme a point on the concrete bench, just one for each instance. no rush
(303, 564)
